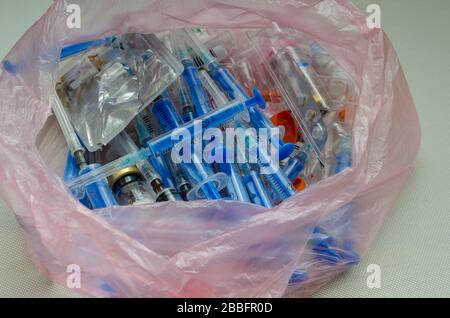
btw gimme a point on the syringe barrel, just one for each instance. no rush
(159, 163)
(72, 171)
(184, 101)
(198, 47)
(99, 193)
(142, 130)
(245, 74)
(227, 82)
(344, 155)
(195, 88)
(182, 181)
(307, 77)
(167, 116)
(276, 178)
(169, 119)
(66, 126)
(297, 163)
(294, 168)
(183, 96)
(179, 86)
(210, 86)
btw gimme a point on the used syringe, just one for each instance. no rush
(234, 91)
(70, 135)
(202, 174)
(219, 99)
(179, 87)
(255, 187)
(279, 182)
(236, 187)
(165, 142)
(191, 77)
(107, 170)
(308, 79)
(187, 109)
(71, 172)
(99, 193)
(182, 181)
(297, 162)
(253, 78)
(256, 192)
(145, 131)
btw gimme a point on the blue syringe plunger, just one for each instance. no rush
(257, 99)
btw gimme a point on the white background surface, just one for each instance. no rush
(413, 248)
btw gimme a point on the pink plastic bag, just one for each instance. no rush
(200, 249)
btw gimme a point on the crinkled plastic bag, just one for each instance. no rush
(211, 249)
(102, 103)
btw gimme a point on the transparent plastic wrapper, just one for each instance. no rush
(305, 88)
(206, 248)
(107, 86)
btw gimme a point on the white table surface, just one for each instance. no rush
(413, 248)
